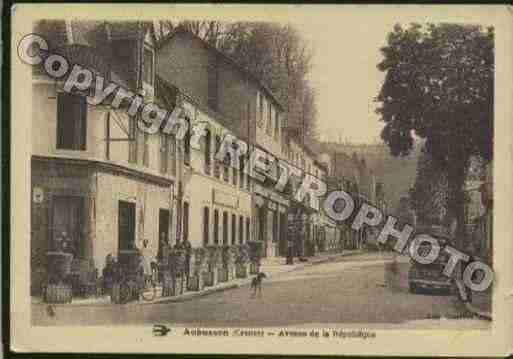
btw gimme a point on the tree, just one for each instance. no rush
(429, 194)
(439, 86)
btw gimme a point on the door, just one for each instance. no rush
(283, 234)
(126, 232)
(270, 233)
(164, 216)
(67, 222)
(262, 230)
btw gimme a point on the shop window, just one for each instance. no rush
(71, 122)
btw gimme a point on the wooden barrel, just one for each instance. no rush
(58, 293)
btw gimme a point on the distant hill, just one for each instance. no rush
(396, 173)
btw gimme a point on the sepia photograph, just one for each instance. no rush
(236, 173)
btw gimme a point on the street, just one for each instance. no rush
(350, 290)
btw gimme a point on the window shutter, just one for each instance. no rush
(61, 118)
(82, 123)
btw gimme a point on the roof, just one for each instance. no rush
(164, 88)
(235, 64)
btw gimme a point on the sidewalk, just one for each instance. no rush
(270, 266)
(277, 265)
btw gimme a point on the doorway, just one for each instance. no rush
(163, 239)
(126, 232)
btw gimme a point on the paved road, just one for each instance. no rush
(352, 290)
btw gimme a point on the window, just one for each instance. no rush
(269, 127)
(126, 226)
(226, 167)
(248, 177)
(187, 144)
(241, 171)
(248, 112)
(235, 175)
(146, 150)
(217, 169)
(185, 228)
(132, 147)
(208, 139)
(276, 126)
(234, 229)
(225, 228)
(206, 228)
(260, 107)
(71, 122)
(216, 226)
(172, 154)
(148, 66)
(164, 153)
(241, 230)
(248, 230)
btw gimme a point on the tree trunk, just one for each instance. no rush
(456, 178)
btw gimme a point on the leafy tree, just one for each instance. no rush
(439, 86)
(429, 194)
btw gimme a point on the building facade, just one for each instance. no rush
(245, 106)
(97, 181)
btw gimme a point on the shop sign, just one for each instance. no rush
(38, 195)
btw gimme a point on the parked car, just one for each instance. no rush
(430, 276)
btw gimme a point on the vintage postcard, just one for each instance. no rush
(261, 179)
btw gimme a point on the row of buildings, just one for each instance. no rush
(100, 182)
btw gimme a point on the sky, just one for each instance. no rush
(346, 79)
(346, 40)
